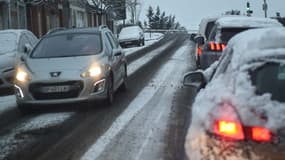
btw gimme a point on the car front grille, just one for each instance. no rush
(75, 87)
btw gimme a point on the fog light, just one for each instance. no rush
(99, 86)
(19, 92)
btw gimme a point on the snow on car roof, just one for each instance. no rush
(16, 31)
(256, 43)
(243, 21)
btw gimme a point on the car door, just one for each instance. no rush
(121, 58)
(114, 61)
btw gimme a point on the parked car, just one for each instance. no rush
(71, 65)
(13, 44)
(224, 29)
(240, 113)
(131, 35)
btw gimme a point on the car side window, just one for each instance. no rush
(23, 40)
(32, 39)
(213, 34)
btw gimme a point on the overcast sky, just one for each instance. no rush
(190, 12)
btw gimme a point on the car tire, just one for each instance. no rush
(124, 85)
(25, 109)
(110, 92)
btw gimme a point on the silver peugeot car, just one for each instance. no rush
(71, 65)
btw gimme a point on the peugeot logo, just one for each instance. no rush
(55, 74)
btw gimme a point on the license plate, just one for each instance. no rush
(55, 89)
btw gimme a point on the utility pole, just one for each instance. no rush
(265, 8)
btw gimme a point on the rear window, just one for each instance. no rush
(228, 33)
(68, 45)
(270, 78)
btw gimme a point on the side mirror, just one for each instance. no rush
(194, 79)
(192, 36)
(199, 40)
(27, 48)
(117, 52)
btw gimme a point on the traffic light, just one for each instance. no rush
(248, 10)
(247, 6)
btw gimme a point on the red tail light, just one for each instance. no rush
(229, 129)
(199, 51)
(216, 46)
(226, 123)
(260, 134)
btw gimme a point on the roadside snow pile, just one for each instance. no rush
(153, 36)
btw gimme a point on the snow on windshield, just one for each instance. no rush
(129, 30)
(8, 42)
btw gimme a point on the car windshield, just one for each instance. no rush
(68, 45)
(228, 33)
(8, 42)
(270, 78)
(209, 28)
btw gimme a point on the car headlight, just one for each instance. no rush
(92, 72)
(22, 75)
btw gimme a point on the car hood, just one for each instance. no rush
(7, 61)
(62, 64)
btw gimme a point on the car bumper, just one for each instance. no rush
(204, 146)
(90, 90)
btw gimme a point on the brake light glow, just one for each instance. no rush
(216, 46)
(199, 51)
(261, 134)
(229, 129)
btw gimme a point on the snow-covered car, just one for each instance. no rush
(223, 30)
(71, 65)
(13, 44)
(131, 35)
(240, 114)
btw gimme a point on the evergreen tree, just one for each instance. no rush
(150, 16)
(156, 19)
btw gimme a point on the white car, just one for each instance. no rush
(132, 35)
(13, 44)
(240, 114)
(69, 66)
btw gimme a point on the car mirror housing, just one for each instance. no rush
(194, 79)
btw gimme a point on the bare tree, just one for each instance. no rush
(134, 7)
